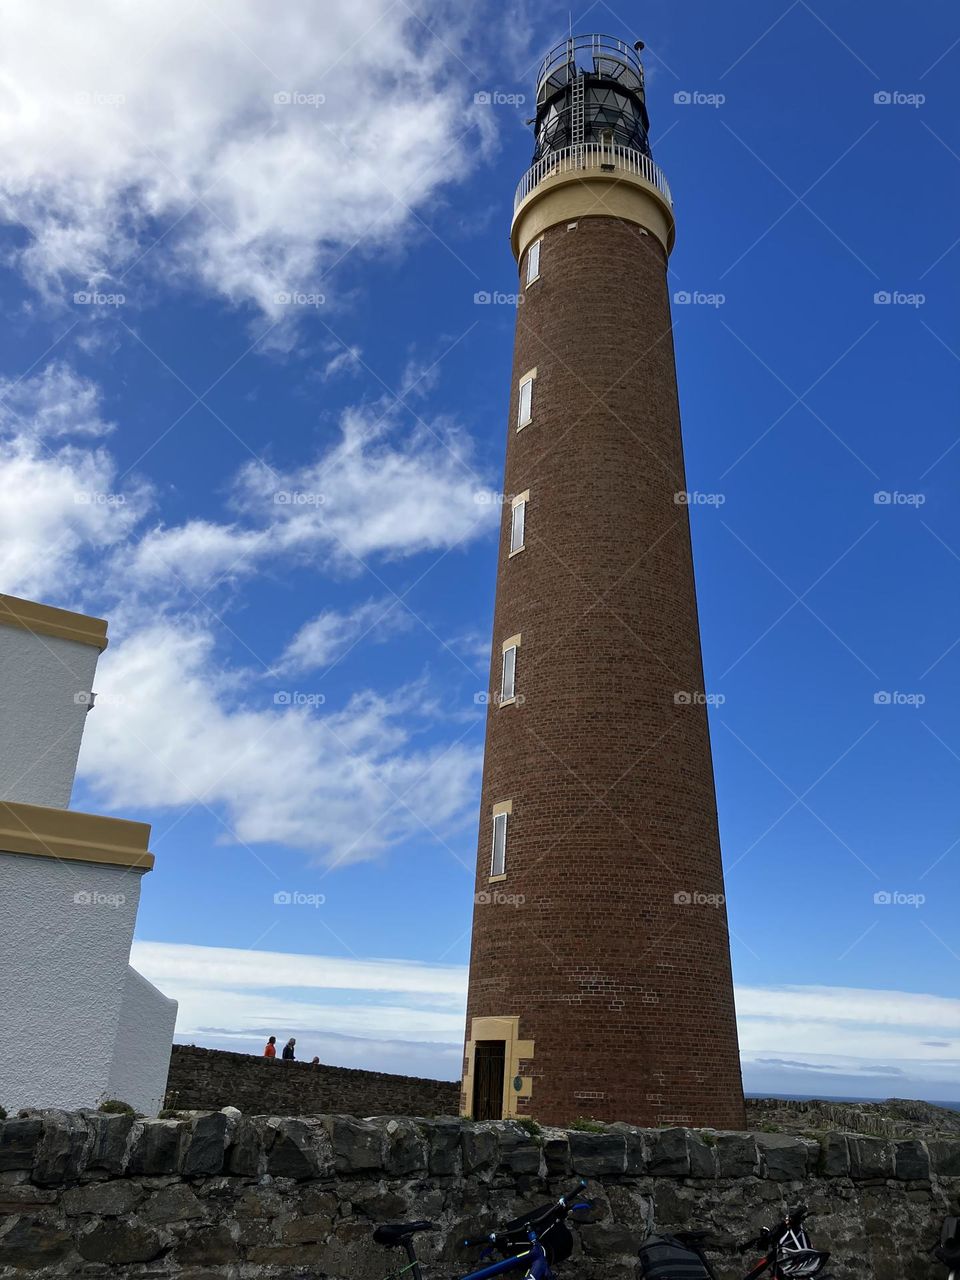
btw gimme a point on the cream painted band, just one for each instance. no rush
(44, 619)
(520, 497)
(591, 192)
(74, 837)
(512, 643)
(508, 1030)
(505, 806)
(528, 376)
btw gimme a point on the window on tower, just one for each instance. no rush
(533, 261)
(508, 677)
(525, 409)
(498, 857)
(518, 520)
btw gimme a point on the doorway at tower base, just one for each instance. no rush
(496, 1070)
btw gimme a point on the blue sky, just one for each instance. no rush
(252, 413)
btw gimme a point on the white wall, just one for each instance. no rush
(63, 977)
(41, 719)
(141, 1054)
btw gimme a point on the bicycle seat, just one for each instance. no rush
(390, 1233)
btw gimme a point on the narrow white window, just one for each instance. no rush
(518, 518)
(498, 859)
(508, 680)
(525, 411)
(533, 262)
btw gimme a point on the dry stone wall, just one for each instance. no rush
(211, 1195)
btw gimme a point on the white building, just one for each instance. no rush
(80, 1025)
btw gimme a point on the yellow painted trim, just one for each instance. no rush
(506, 1029)
(44, 619)
(505, 806)
(74, 837)
(496, 879)
(512, 643)
(591, 192)
(518, 498)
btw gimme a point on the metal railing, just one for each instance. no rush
(592, 155)
(571, 54)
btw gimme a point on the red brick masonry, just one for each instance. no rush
(625, 988)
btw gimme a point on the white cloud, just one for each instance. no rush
(121, 123)
(329, 635)
(196, 555)
(374, 493)
(175, 729)
(60, 499)
(346, 361)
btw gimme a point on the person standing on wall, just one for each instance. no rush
(270, 1049)
(288, 1053)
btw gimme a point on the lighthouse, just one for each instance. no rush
(600, 979)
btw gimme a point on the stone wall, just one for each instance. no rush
(208, 1079)
(212, 1195)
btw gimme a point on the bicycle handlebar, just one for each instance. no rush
(770, 1237)
(560, 1210)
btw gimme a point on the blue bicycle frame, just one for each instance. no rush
(537, 1268)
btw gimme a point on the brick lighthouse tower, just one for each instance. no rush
(600, 980)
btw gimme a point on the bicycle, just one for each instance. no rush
(786, 1253)
(536, 1241)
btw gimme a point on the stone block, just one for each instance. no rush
(737, 1155)
(205, 1145)
(18, 1143)
(669, 1157)
(357, 1144)
(595, 1154)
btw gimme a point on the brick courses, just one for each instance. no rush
(627, 994)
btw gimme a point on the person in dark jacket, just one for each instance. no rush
(288, 1050)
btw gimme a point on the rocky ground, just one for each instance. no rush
(894, 1118)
